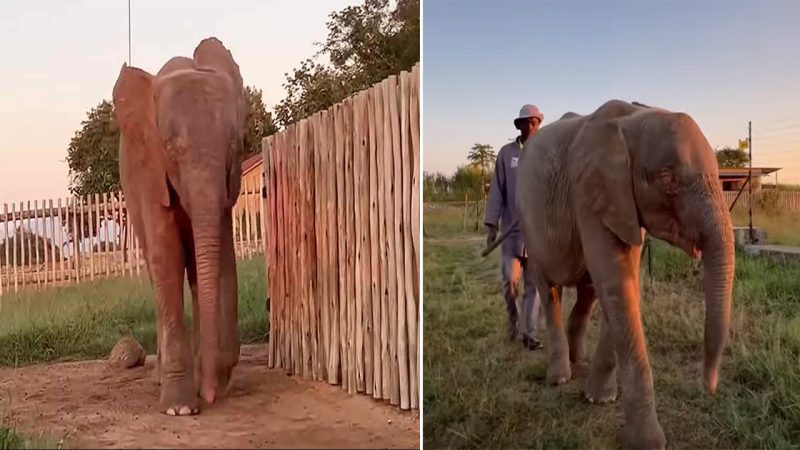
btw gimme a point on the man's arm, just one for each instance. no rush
(497, 198)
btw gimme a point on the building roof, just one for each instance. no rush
(730, 172)
(251, 163)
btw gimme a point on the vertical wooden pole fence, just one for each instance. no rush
(340, 232)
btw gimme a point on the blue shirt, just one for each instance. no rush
(500, 206)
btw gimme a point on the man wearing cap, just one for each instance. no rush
(500, 208)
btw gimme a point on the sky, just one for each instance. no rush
(723, 62)
(61, 58)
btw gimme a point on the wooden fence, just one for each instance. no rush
(68, 240)
(343, 243)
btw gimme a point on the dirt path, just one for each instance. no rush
(91, 405)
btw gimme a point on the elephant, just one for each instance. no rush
(181, 137)
(590, 187)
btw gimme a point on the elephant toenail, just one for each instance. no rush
(171, 411)
(185, 411)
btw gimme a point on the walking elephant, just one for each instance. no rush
(589, 186)
(181, 136)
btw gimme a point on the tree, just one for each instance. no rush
(93, 153)
(730, 157)
(259, 122)
(483, 157)
(365, 44)
(469, 180)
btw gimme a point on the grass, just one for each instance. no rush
(85, 321)
(481, 391)
(9, 439)
(782, 227)
(452, 219)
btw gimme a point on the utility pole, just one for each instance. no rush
(750, 176)
(129, 32)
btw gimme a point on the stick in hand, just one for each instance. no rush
(499, 239)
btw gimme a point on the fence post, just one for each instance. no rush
(6, 244)
(36, 243)
(466, 209)
(21, 237)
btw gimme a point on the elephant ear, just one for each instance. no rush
(602, 178)
(212, 54)
(135, 112)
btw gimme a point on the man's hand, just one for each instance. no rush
(491, 234)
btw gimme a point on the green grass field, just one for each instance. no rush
(782, 228)
(84, 321)
(9, 439)
(481, 391)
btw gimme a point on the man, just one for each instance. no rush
(514, 259)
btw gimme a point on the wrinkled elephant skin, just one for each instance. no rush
(592, 185)
(181, 137)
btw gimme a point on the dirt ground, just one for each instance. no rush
(89, 404)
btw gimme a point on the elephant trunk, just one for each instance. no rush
(207, 238)
(718, 267)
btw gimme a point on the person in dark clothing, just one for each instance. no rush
(500, 209)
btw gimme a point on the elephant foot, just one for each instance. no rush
(559, 373)
(580, 368)
(228, 360)
(179, 399)
(646, 434)
(601, 389)
(224, 374)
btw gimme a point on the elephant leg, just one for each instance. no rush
(601, 384)
(579, 320)
(558, 369)
(511, 271)
(167, 266)
(614, 268)
(135, 214)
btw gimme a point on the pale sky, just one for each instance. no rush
(722, 62)
(61, 58)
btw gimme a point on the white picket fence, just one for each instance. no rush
(67, 240)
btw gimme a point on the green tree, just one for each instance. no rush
(730, 157)
(365, 44)
(483, 157)
(93, 153)
(259, 122)
(469, 180)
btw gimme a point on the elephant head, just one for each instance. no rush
(639, 166)
(187, 126)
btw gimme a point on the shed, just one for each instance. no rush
(733, 178)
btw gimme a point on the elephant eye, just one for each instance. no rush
(644, 176)
(666, 178)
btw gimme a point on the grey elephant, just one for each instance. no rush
(182, 132)
(589, 187)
